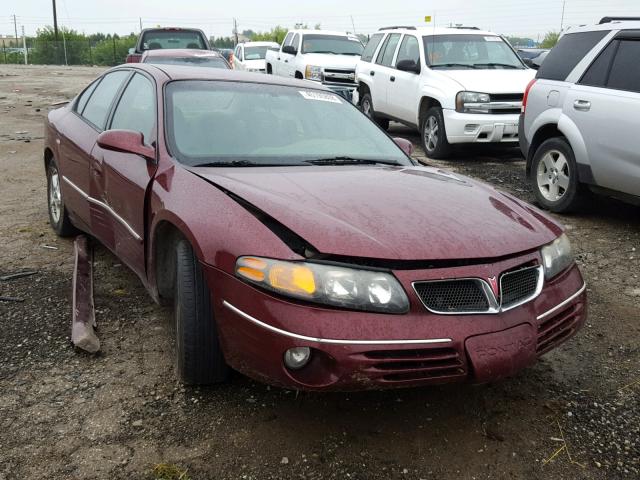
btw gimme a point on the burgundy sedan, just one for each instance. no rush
(297, 242)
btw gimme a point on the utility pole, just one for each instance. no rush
(235, 30)
(55, 21)
(24, 45)
(15, 28)
(353, 25)
(140, 19)
(562, 18)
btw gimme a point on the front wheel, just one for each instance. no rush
(554, 176)
(434, 135)
(58, 217)
(199, 358)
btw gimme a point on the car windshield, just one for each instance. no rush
(469, 51)
(255, 53)
(243, 124)
(156, 39)
(336, 44)
(213, 62)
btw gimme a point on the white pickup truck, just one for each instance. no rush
(318, 55)
(454, 85)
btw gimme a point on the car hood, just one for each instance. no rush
(399, 213)
(328, 60)
(492, 81)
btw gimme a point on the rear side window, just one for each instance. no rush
(98, 106)
(409, 49)
(295, 41)
(84, 98)
(564, 57)
(287, 39)
(598, 72)
(370, 49)
(625, 71)
(385, 57)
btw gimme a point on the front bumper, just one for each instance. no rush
(359, 350)
(480, 128)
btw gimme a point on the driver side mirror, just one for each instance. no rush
(126, 141)
(529, 63)
(290, 49)
(404, 144)
(408, 66)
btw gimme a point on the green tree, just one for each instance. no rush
(222, 42)
(46, 50)
(550, 40)
(112, 50)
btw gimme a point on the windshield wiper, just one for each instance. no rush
(246, 163)
(452, 65)
(505, 65)
(322, 51)
(348, 161)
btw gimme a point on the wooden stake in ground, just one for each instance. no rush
(83, 322)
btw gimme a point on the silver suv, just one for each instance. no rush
(580, 124)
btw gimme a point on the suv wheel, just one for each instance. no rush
(366, 105)
(434, 135)
(554, 176)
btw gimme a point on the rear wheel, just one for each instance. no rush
(58, 217)
(366, 105)
(434, 135)
(199, 358)
(554, 176)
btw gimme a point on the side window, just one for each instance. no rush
(136, 109)
(409, 49)
(385, 57)
(370, 49)
(287, 39)
(567, 53)
(97, 108)
(598, 72)
(296, 41)
(625, 70)
(84, 97)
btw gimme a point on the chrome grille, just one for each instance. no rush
(448, 296)
(341, 77)
(519, 285)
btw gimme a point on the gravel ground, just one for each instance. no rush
(119, 414)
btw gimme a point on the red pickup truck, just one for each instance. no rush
(169, 37)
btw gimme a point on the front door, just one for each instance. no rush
(383, 74)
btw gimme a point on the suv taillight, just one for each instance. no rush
(525, 97)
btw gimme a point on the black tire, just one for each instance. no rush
(269, 70)
(434, 142)
(366, 106)
(58, 216)
(199, 358)
(554, 169)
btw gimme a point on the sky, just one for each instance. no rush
(530, 18)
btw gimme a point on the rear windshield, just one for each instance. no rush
(156, 39)
(564, 57)
(470, 52)
(224, 122)
(331, 44)
(255, 53)
(213, 62)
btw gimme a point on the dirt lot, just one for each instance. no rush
(67, 415)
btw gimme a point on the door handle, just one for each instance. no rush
(582, 105)
(286, 61)
(393, 79)
(372, 73)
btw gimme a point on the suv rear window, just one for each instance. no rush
(564, 57)
(625, 71)
(370, 49)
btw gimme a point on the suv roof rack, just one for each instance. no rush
(618, 19)
(406, 27)
(462, 27)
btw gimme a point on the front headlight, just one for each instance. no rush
(313, 72)
(326, 284)
(472, 102)
(556, 256)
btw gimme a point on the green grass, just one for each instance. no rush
(168, 471)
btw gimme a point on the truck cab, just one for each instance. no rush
(318, 55)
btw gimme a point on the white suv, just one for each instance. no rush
(455, 85)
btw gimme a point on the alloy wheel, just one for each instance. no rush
(55, 196)
(431, 133)
(553, 175)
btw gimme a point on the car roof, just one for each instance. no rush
(614, 25)
(426, 31)
(307, 31)
(181, 52)
(166, 73)
(259, 44)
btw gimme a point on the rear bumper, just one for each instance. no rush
(356, 351)
(480, 128)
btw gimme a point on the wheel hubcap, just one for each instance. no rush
(553, 175)
(55, 196)
(366, 108)
(431, 134)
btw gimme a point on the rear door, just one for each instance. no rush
(120, 180)
(383, 73)
(605, 105)
(404, 87)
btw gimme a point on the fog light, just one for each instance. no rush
(297, 357)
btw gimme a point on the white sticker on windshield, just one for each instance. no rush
(321, 96)
(493, 39)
